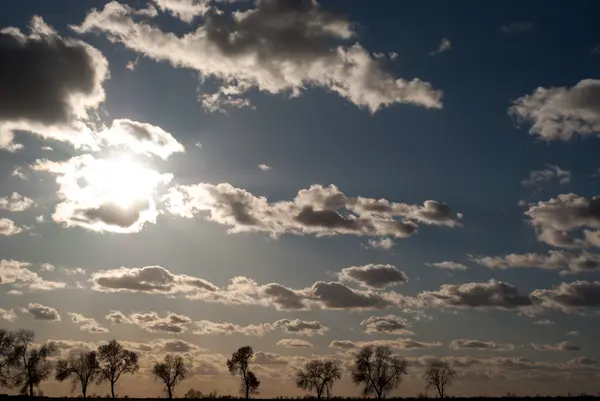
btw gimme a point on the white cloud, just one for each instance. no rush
(186, 10)
(264, 167)
(87, 324)
(480, 345)
(41, 312)
(444, 46)
(389, 324)
(373, 276)
(151, 321)
(8, 314)
(205, 327)
(559, 113)
(18, 172)
(562, 346)
(553, 260)
(294, 343)
(19, 276)
(448, 265)
(383, 243)
(47, 267)
(16, 202)
(8, 227)
(244, 50)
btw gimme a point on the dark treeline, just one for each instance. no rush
(24, 365)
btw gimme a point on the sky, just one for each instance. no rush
(192, 176)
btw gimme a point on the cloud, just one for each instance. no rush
(562, 346)
(264, 167)
(544, 322)
(294, 343)
(389, 324)
(298, 326)
(18, 275)
(140, 138)
(538, 178)
(49, 85)
(517, 27)
(149, 279)
(334, 295)
(185, 10)
(16, 202)
(87, 323)
(373, 276)
(576, 296)
(480, 345)
(154, 323)
(553, 260)
(8, 314)
(383, 243)
(318, 210)
(269, 358)
(560, 113)
(244, 50)
(402, 343)
(41, 312)
(8, 227)
(47, 267)
(206, 327)
(444, 46)
(103, 194)
(573, 333)
(492, 294)
(117, 317)
(448, 265)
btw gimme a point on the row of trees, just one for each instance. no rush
(24, 365)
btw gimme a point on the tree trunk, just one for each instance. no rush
(170, 391)
(112, 389)
(247, 389)
(83, 390)
(30, 388)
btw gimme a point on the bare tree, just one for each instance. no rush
(439, 374)
(239, 364)
(30, 362)
(82, 369)
(7, 354)
(171, 372)
(115, 361)
(318, 376)
(378, 370)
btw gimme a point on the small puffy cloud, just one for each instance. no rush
(448, 265)
(373, 276)
(492, 294)
(389, 324)
(16, 202)
(480, 345)
(140, 138)
(553, 260)
(444, 46)
(537, 178)
(117, 317)
(206, 327)
(18, 172)
(104, 195)
(41, 312)
(47, 267)
(153, 322)
(402, 343)
(298, 326)
(577, 296)
(244, 50)
(8, 227)
(517, 27)
(294, 343)
(149, 279)
(8, 314)
(49, 85)
(334, 295)
(264, 167)
(562, 346)
(18, 275)
(87, 323)
(560, 113)
(383, 243)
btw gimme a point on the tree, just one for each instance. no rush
(318, 376)
(7, 354)
(114, 362)
(378, 370)
(239, 364)
(439, 374)
(171, 372)
(82, 369)
(30, 362)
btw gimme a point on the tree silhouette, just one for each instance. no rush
(30, 362)
(439, 374)
(378, 370)
(318, 376)
(114, 362)
(82, 369)
(239, 364)
(171, 372)
(7, 350)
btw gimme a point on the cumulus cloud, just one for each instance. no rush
(151, 321)
(298, 326)
(41, 312)
(104, 195)
(244, 50)
(149, 279)
(334, 295)
(389, 324)
(206, 327)
(559, 113)
(8, 314)
(18, 275)
(448, 265)
(294, 343)
(373, 276)
(49, 85)
(264, 167)
(383, 243)
(87, 323)
(16, 202)
(444, 46)
(492, 294)
(480, 345)
(562, 346)
(9, 227)
(402, 343)
(553, 260)
(117, 317)
(577, 296)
